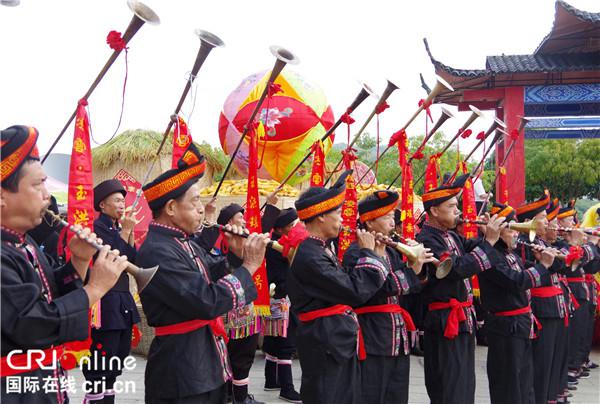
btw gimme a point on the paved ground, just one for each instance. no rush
(588, 390)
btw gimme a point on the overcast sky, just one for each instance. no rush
(50, 52)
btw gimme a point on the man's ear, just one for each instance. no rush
(170, 207)
(433, 211)
(102, 205)
(320, 218)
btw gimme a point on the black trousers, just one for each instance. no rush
(510, 369)
(216, 396)
(241, 355)
(578, 331)
(282, 347)
(546, 358)
(559, 374)
(450, 368)
(590, 331)
(327, 379)
(384, 379)
(107, 344)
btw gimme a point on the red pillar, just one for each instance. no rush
(515, 163)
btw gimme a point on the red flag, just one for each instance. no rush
(469, 208)
(181, 140)
(81, 182)
(318, 168)
(349, 209)
(503, 189)
(408, 219)
(431, 174)
(252, 217)
(81, 198)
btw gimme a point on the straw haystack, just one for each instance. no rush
(134, 151)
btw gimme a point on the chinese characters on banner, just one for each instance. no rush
(81, 183)
(469, 208)
(318, 168)
(252, 217)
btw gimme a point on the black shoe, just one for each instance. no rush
(592, 365)
(572, 380)
(572, 387)
(568, 394)
(288, 392)
(250, 400)
(584, 375)
(291, 396)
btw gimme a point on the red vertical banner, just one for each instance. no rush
(181, 140)
(81, 182)
(318, 167)
(81, 187)
(349, 208)
(406, 202)
(469, 207)
(502, 186)
(431, 173)
(407, 213)
(252, 217)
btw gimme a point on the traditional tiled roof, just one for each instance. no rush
(582, 15)
(563, 49)
(451, 70)
(543, 63)
(565, 36)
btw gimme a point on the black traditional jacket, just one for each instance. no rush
(317, 281)
(42, 307)
(469, 257)
(504, 288)
(117, 307)
(386, 334)
(182, 290)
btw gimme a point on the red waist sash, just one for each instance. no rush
(517, 312)
(457, 315)
(550, 291)
(389, 308)
(338, 309)
(20, 361)
(576, 280)
(546, 291)
(216, 326)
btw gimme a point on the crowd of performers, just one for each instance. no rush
(349, 322)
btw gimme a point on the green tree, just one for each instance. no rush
(568, 168)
